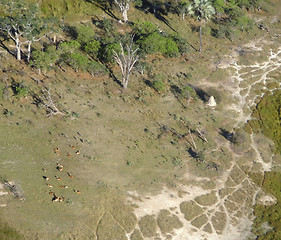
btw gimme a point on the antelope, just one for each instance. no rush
(63, 186)
(77, 191)
(58, 178)
(77, 152)
(49, 185)
(55, 199)
(59, 167)
(68, 154)
(56, 149)
(72, 146)
(61, 199)
(69, 175)
(46, 178)
(44, 170)
(51, 193)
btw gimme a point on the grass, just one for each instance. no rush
(122, 146)
(8, 233)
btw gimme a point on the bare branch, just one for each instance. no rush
(126, 61)
(47, 101)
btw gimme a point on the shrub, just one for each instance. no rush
(154, 43)
(182, 44)
(20, 89)
(142, 67)
(69, 47)
(45, 60)
(144, 28)
(158, 83)
(92, 48)
(85, 35)
(108, 50)
(78, 61)
(96, 69)
(171, 49)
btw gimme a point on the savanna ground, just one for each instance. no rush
(138, 172)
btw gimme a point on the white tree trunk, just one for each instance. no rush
(28, 50)
(17, 41)
(125, 15)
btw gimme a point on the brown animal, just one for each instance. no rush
(69, 175)
(46, 178)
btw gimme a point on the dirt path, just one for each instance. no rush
(225, 210)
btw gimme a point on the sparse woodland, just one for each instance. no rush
(148, 69)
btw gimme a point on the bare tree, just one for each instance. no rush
(124, 6)
(47, 101)
(126, 61)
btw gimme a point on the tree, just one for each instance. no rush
(22, 24)
(203, 11)
(124, 6)
(182, 8)
(126, 61)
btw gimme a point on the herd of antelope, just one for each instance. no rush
(59, 167)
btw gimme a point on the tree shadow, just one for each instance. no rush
(104, 5)
(204, 96)
(70, 31)
(159, 10)
(177, 93)
(112, 75)
(2, 45)
(227, 135)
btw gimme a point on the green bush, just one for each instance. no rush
(78, 61)
(182, 44)
(45, 60)
(69, 47)
(158, 84)
(96, 69)
(92, 48)
(20, 89)
(144, 28)
(108, 51)
(85, 35)
(153, 43)
(171, 49)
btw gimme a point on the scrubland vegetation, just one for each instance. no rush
(135, 78)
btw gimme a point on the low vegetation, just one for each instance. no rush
(81, 62)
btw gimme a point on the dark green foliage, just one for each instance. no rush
(269, 214)
(268, 118)
(108, 50)
(20, 89)
(93, 48)
(45, 60)
(219, 5)
(171, 48)
(85, 34)
(141, 29)
(69, 47)
(77, 61)
(182, 44)
(157, 83)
